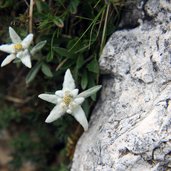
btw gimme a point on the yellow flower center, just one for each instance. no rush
(67, 99)
(18, 46)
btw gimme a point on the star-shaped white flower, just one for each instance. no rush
(69, 101)
(17, 49)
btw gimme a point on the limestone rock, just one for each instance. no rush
(130, 128)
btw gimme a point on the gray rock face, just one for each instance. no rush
(130, 129)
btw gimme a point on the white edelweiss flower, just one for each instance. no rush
(17, 49)
(69, 101)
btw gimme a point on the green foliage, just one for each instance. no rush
(7, 115)
(38, 47)
(46, 70)
(4, 3)
(33, 72)
(34, 141)
(67, 34)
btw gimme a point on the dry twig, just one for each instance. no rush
(31, 16)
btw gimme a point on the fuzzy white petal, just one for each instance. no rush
(80, 116)
(26, 61)
(90, 91)
(14, 36)
(8, 48)
(69, 111)
(27, 41)
(68, 83)
(59, 93)
(79, 100)
(74, 92)
(22, 54)
(71, 106)
(8, 59)
(25, 58)
(56, 113)
(49, 98)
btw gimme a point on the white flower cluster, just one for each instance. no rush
(69, 101)
(66, 100)
(17, 49)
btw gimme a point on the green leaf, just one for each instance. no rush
(73, 6)
(38, 47)
(63, 52)
(46, 70)
(33, 72)
(90, 91)
(50, 56)
(74, 44)
(39, 6)
(84, 80)
(92, 83)
(86, 107)
(58, 21)
(93, 66)
(5, 3)
(42, 7)
(80, 62)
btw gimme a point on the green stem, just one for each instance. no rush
(94, 21)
